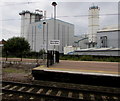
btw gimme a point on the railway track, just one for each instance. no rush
(22, 91)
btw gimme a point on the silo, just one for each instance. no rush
(93, 25)
(32, 17)
(25, 21)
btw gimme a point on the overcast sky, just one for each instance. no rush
(67, 11)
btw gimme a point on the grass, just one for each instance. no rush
(13, 70)
(90, 58)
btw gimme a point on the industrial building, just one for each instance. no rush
(102, 42)
(39, 32)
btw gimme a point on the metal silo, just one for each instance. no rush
(93, 25)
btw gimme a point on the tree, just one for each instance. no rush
(16, 46)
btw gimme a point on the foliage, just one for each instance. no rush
(90, 58)
(16, 46)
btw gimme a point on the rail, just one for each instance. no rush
(57, 93)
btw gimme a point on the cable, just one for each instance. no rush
(21, 3)
(65, 16)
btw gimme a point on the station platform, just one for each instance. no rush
(85, 72)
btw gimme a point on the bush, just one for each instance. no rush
(90, 58)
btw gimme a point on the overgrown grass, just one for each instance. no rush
(13, 70)
(90, 58)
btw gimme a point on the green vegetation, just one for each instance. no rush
(16, 46)
(90, 58)
(13, 70)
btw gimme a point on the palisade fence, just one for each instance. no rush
(46, 59)
(32, 58)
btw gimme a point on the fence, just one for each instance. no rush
(47, 59)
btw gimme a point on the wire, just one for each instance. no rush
(89, 15)
(21, 3)
(65, 16)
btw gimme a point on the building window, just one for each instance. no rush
(103, 41)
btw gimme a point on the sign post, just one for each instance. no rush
(54, 43)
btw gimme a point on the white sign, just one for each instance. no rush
(55, 42)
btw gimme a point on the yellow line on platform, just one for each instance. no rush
(74, 70)
(81, 70)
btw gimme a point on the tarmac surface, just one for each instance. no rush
(109, 68)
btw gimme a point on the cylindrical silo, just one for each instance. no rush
(93, 25)
(25, 21)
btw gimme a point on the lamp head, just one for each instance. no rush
(54, 3)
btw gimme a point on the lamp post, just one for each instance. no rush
(54, 4)
(43, 39)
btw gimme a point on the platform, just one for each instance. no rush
(84, 67)
(85, 72)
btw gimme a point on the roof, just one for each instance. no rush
(2, 42)
(53, 19)
(98, 49)
(93, 7)
(23, 12)
(109, 29)
(60, 21)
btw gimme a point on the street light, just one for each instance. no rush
(43, 39)
(54, 4)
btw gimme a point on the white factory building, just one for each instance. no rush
(103, 42)
(39, 32)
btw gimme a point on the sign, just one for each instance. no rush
(40, 26)
(55, 42)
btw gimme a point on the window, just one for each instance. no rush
(103, 41)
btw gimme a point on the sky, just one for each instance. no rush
(73, 12)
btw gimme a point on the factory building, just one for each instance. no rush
(108, 38)
(39, 32)
(101, 42)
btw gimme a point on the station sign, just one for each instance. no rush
(55, 42)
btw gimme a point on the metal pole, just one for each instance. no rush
(54, 29)
(54, 4)
(47, 47)
(47, 39)
(43, 38)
